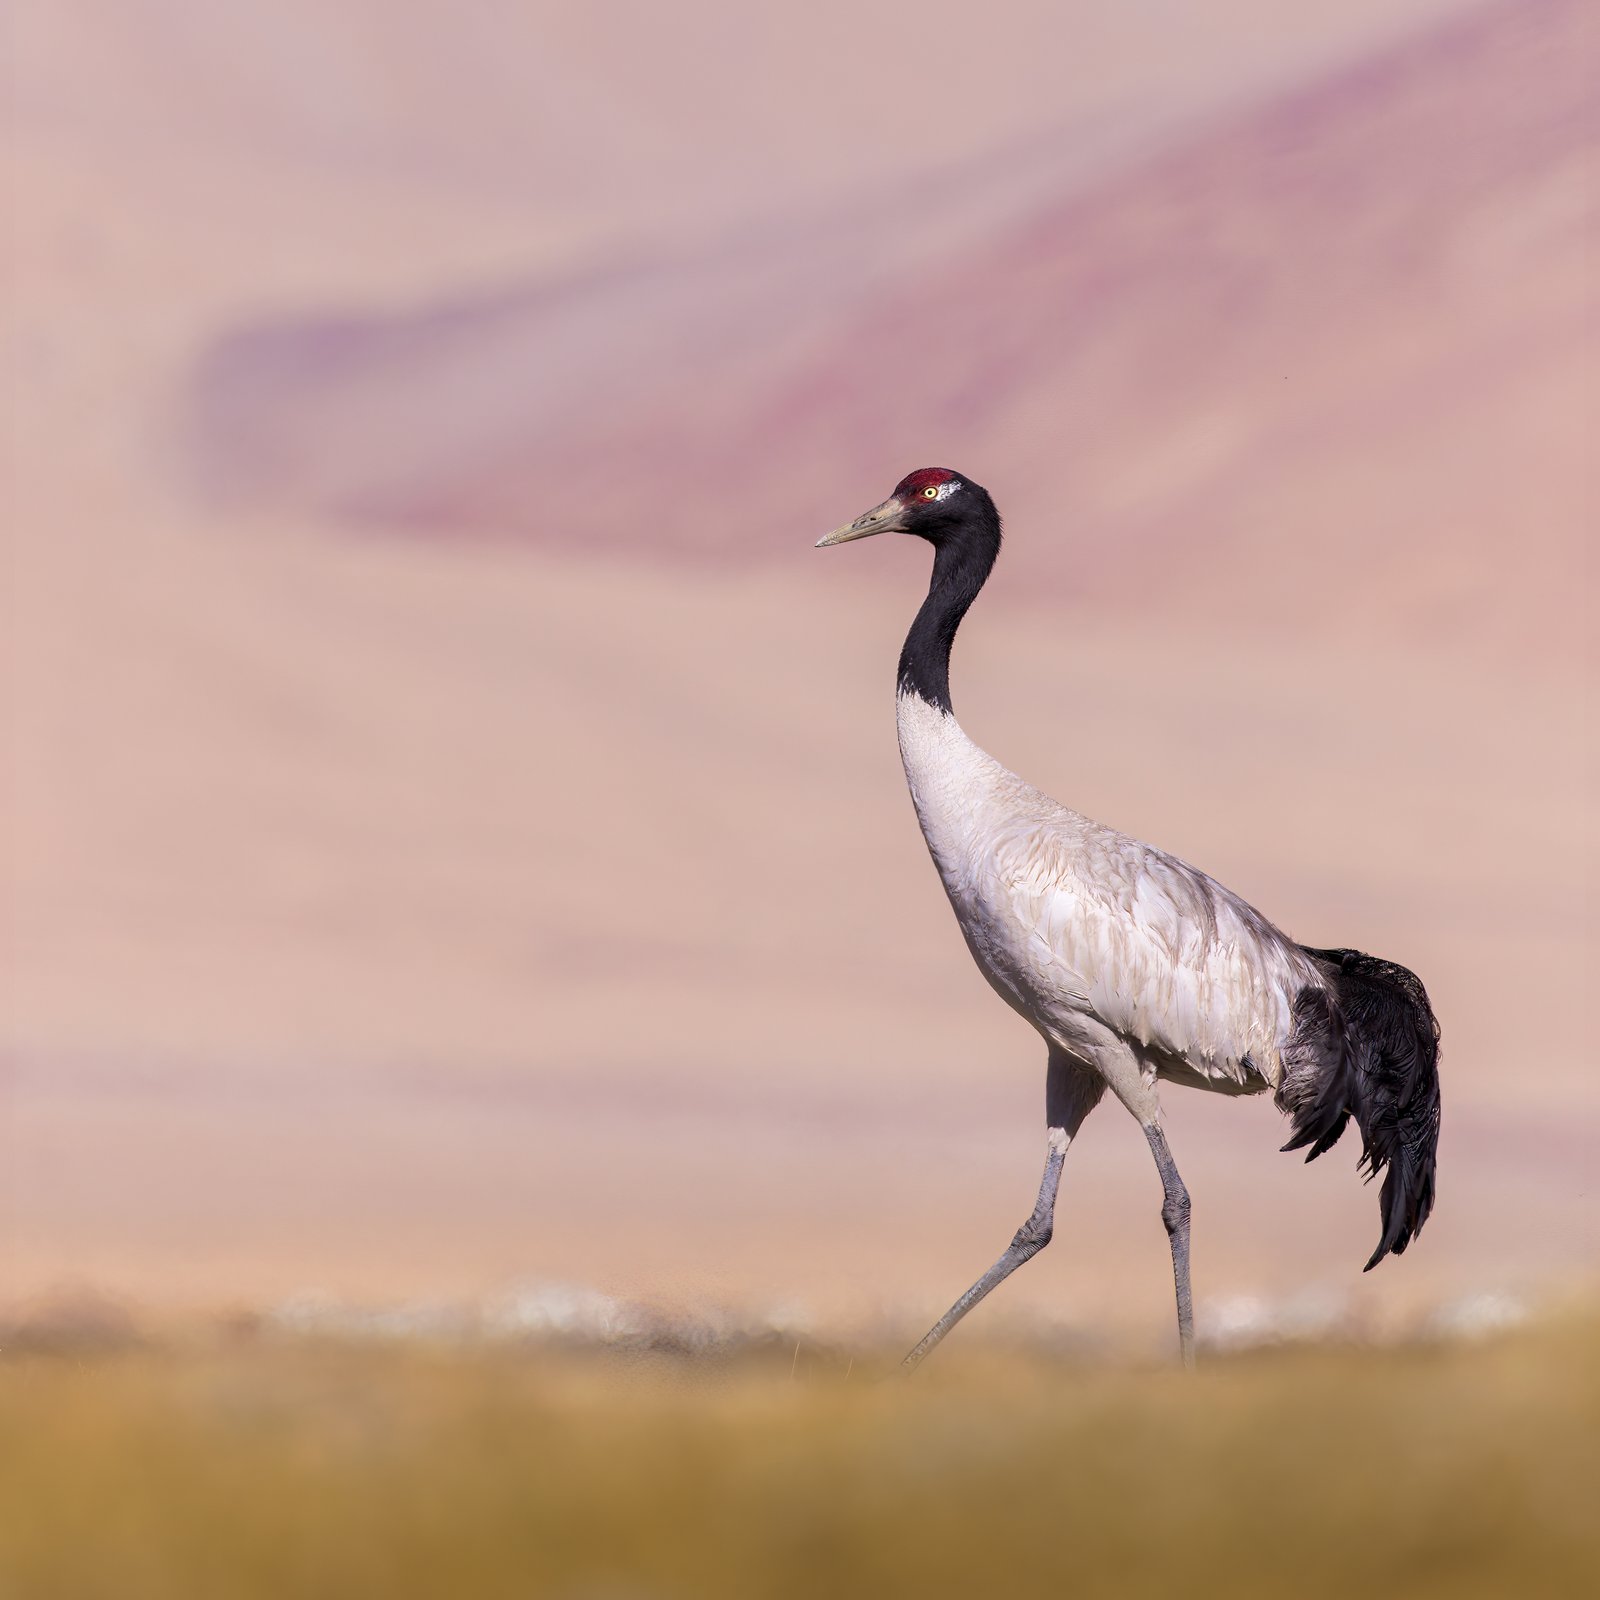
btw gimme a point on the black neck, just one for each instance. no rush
(961, 563)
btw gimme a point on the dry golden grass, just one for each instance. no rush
(276, 1468)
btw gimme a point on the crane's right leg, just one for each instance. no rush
(1175, 1216)
(1071, 1093)
(1135, 1086)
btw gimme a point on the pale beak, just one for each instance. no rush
(890, 517)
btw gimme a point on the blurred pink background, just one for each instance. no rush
(453, 832)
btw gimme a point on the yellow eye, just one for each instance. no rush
(931, 492)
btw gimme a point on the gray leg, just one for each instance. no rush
(1071, 1093)
(1175, 1214)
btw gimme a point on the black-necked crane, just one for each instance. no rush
(1132, 966)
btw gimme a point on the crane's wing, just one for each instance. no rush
(1158, 951)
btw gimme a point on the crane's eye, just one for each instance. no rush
(931, 492)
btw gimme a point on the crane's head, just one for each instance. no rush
(934, 503)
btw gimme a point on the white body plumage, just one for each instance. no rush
(1088, 933)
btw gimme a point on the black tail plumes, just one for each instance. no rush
(1368, 1047)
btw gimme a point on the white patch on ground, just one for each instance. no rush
(1476, 1316)
(564, 1310)
(1248, 1322)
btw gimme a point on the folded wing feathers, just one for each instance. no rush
(1159, 951)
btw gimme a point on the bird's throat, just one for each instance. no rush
(959, 570)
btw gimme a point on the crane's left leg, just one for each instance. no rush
(1175, 1214)
(1071, 1093)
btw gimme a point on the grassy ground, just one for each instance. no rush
(273, 1467)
